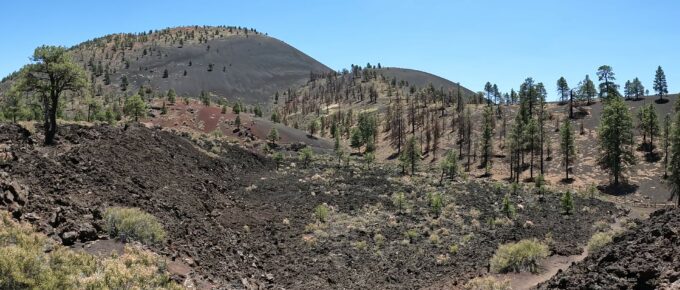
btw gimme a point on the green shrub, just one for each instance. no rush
(26, 264)
(399, 200)
(436, 203)
(305, 156)
(134, 224)
(321, 212)
(524, 255)
(360, 245)
(508, 209)
(411, 235)
(599, 240)
(434, 239)
(567, 202)
(379, 240)
(487, 283)
(453, 249)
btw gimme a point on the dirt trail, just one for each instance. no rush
(553, 264)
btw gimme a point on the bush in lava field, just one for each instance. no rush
(133, 223)
(524, 255)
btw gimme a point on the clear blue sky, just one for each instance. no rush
(467, 41)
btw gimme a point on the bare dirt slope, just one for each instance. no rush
(231, 63)
(422, 79)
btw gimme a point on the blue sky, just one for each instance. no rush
(471, 42)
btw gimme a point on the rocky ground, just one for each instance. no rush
(237, 222)
(647, 257)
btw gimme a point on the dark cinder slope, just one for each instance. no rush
(422, 79)
(251, 68)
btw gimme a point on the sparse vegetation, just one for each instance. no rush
(599, 240)
(133, 224)
(487, 283)
(29, 260)
(524, 255)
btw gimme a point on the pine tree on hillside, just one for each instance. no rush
(616, 138)
(449, 164)
(51, 74)
(666, 143)
(588, 90)
(562, 89)
(487, 139)
(660, 85)
(606, 76)
(674, 167)
(567, 145)
(410, 155)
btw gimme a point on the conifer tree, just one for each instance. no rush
(410, 155)
(660, 85)
(562, 89)
(135, 106)
(666, 143)
(587, 90)
(567, 145)
(273, 136)
(449, 164)
(616, 138)
(487, 138)
(674, 167)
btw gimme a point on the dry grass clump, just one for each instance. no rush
(599, 240)
(487, 283)
(133, 223)
(29, 260)
(524, 255)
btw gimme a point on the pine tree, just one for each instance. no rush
(588, 90)
(606, 76)
(449, 164)
(123, 83)
(410, 155)
(171, 96)
(562, 89)
(273, 136)
(135, 106)
(616, 138)
(487, 138)
(674, 167)
(666, 143)
(567, 145)
(660, 85)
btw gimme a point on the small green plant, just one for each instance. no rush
(567, 202)
(133, 223)
(436, 203)
(360, 245)
(434, 239)
(515, 188)
(321, 212)
(369, 158)
(399, 200)
(278, 158)
(508, 209)
(305, 156)
(487, 283)
(540, 184)
(379, 240)
(467, 238)
(524, 255)
(599, 240)
(453, 249)
(26, 264)
(411, 235)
